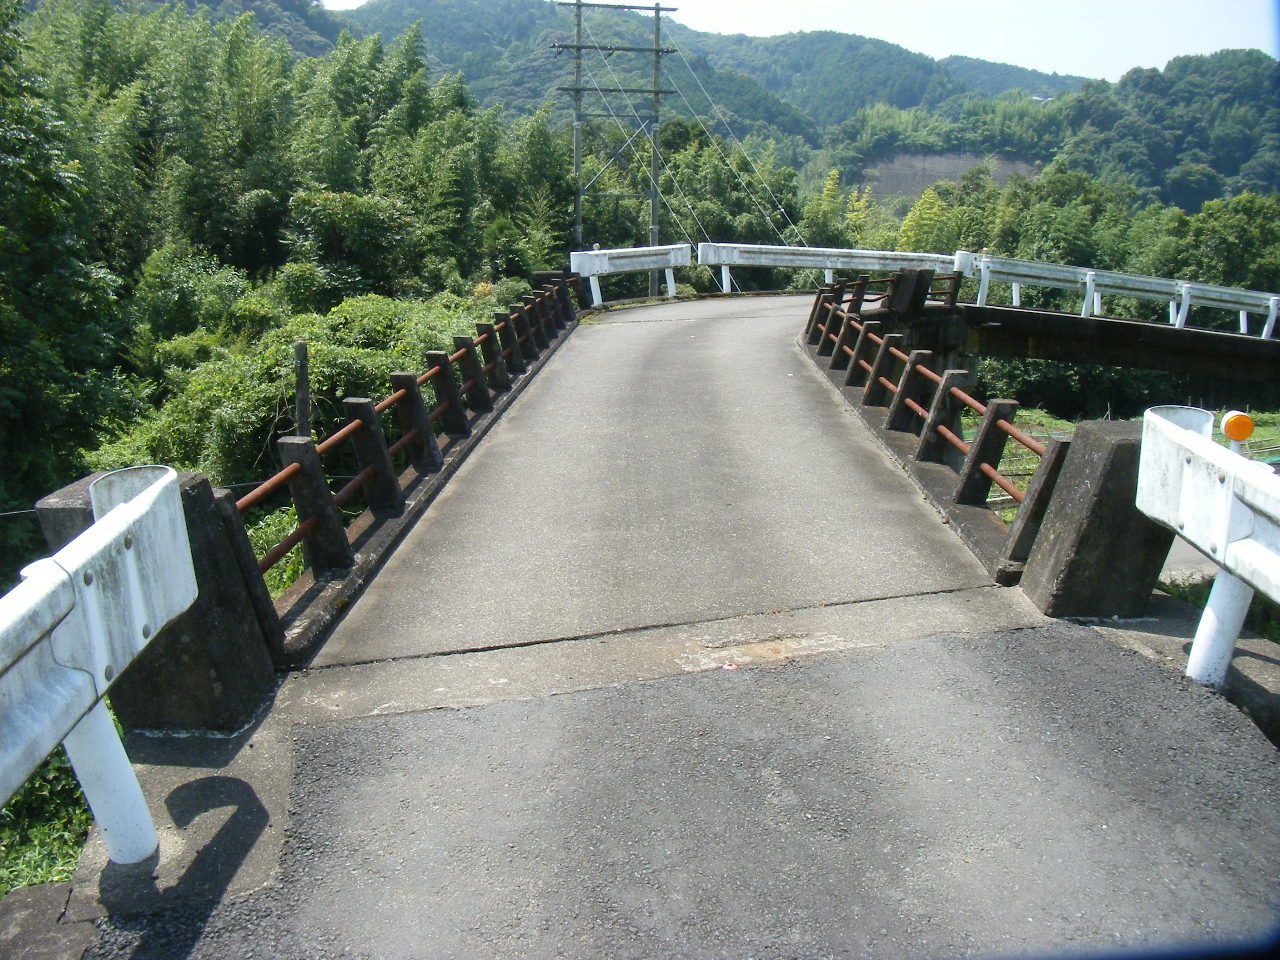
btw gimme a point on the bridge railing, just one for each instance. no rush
(1068, 514)
(1092, 285)
(920, 400)
(463, 385)
(73, 625)
(594, 264)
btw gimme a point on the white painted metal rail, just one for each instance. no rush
(1224, 505)
(71, 627)
(595, 264)
(827, 259)
(1092, 285)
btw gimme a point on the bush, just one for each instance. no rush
(225, 413)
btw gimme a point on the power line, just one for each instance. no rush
(623, 129)
(661, 160)
(714, 143)
(735, 139)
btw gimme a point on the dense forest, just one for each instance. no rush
(185, 195)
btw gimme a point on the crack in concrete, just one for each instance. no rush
(674, 625)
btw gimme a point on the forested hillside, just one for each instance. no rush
(994, 79)
(183, 200)
(1205, 127)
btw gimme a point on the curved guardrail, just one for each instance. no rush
(594, 264)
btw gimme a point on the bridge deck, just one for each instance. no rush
(679, 492)
(673, 464)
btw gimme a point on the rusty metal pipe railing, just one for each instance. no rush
(267, 487)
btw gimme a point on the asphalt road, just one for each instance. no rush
(679, 667)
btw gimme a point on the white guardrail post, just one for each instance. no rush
(1225, 506)
(71, 627)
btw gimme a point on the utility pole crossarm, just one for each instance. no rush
(609, 49)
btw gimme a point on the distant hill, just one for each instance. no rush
(1203, 127)
(310, 29)
(828, 75)
(797, 84)
(995, 78)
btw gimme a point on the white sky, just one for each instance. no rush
(1092, 38)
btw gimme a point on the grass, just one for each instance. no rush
(264, 534)
(42, 828)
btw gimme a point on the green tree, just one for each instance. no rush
(57, 309)
(930, 226)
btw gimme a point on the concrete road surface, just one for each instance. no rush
(679, 667)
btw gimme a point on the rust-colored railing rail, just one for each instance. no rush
(921, 400)
(463, 385)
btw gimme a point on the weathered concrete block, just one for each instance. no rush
(211, 668)
(1096, 554)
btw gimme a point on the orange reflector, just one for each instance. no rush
(1237, 426)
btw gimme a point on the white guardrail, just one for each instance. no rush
(1225, 506)
(595, 264)
(71, 627)
(827, 259)
(1093, 284)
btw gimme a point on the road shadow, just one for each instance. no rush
(133, 896)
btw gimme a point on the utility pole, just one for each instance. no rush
(649, 124)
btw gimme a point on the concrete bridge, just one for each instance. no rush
(680, 663)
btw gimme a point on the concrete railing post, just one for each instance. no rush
(474, 379)
(833, 323)
(255, 586)
(326, 548)
(212, 667)
(875, 393)
(987, 448)
(857, 294)
(1026, 525)
(911, 386)
(848, 336)
(558, 282)
(909, 292)
(383, 491)
(446, 390)
(510, 339)
(413, 415)
(538, 320)
(555, 309)
(818, 312)
(530, 341)
(495, 365)
(944, 411)
(857, 376)
(1097, 554)
(537, 324)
